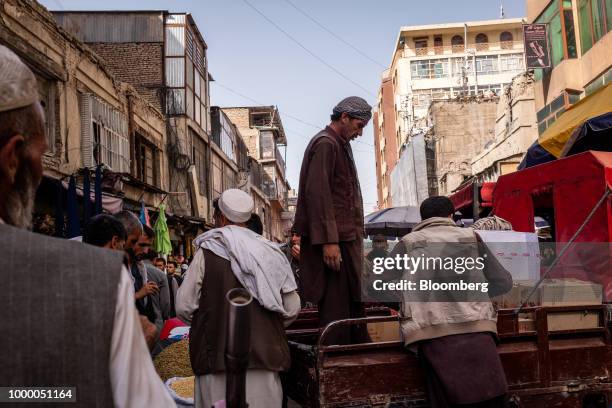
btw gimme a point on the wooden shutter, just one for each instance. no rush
(86, 130)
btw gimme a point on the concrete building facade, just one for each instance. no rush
(458, 131)
(93, 119)
(264, 136)
(580, 40)
(515, 131)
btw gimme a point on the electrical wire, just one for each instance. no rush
(227, 88)
(342, 40)
(321, 60)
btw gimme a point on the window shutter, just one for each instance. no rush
(86, 130)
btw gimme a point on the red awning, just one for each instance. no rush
(463, 198)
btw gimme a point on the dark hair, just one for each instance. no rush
(148, 231)
(24, 121)
(159, 259)
(101, 229)
(173, 263)
(254, 224)
(437, 206)
(335, 116)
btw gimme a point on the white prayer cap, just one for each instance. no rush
(18, 87)
(236, 205)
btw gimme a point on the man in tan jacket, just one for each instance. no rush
(455, 340)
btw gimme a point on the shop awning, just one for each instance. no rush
(558, 134)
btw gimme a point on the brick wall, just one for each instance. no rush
(139, 64)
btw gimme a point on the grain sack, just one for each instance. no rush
(173, 361)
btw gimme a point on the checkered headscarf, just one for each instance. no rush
(355, 107)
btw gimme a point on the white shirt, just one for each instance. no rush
(188, 295)
(134, 381)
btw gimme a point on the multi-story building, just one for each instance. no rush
(163, 55)
(579, 42)
(92, 119)
(263, 133)
(442, 62)
(385, 143)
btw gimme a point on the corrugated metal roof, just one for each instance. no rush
(113, 27)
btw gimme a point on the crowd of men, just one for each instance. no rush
(79, 313)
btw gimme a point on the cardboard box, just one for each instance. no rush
(573, 320)
(384, 331)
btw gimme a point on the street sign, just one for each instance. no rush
(537, 53)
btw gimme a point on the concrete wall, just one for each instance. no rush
(461, 129)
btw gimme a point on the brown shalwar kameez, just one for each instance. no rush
(330, 211)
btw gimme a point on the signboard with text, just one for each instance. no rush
(537, 54)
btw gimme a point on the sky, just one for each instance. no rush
(305, 56)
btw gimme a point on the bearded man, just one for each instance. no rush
(329, 220)
(70, 313)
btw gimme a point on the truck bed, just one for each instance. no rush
(544, 368)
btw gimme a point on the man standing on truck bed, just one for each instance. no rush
(329, 220)
(454, 339)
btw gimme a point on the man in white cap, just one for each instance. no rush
(232, 256)
(71, 319)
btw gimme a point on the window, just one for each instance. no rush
(421, 98)
(104, 135)
(228, 138)
(511, 62)
(217, 176)
(267, 146)
(146, 156)
(595, 21)
(229, 177)
(561, 37)
(438, 45)
(420, 45)
(435, 68)
(482, 42)
(487, 64)
(457, 43)
(506, 40)
(200, 162)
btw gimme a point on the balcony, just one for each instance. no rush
(460, 49)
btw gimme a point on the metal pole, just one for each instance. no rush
(237, 347)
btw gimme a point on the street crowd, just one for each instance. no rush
(89, 314)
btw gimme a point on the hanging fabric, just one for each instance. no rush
(162, 244)
(59, 211)
(74, 225)
(144, 214)
(98, 190)
(86, 198)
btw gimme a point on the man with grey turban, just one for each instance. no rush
(72, 301)
(329, 219)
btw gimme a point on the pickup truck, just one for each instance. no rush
(544, 367)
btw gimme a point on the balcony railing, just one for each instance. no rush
(459, 49)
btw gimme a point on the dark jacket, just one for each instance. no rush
(329, 208)
(207, 337)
